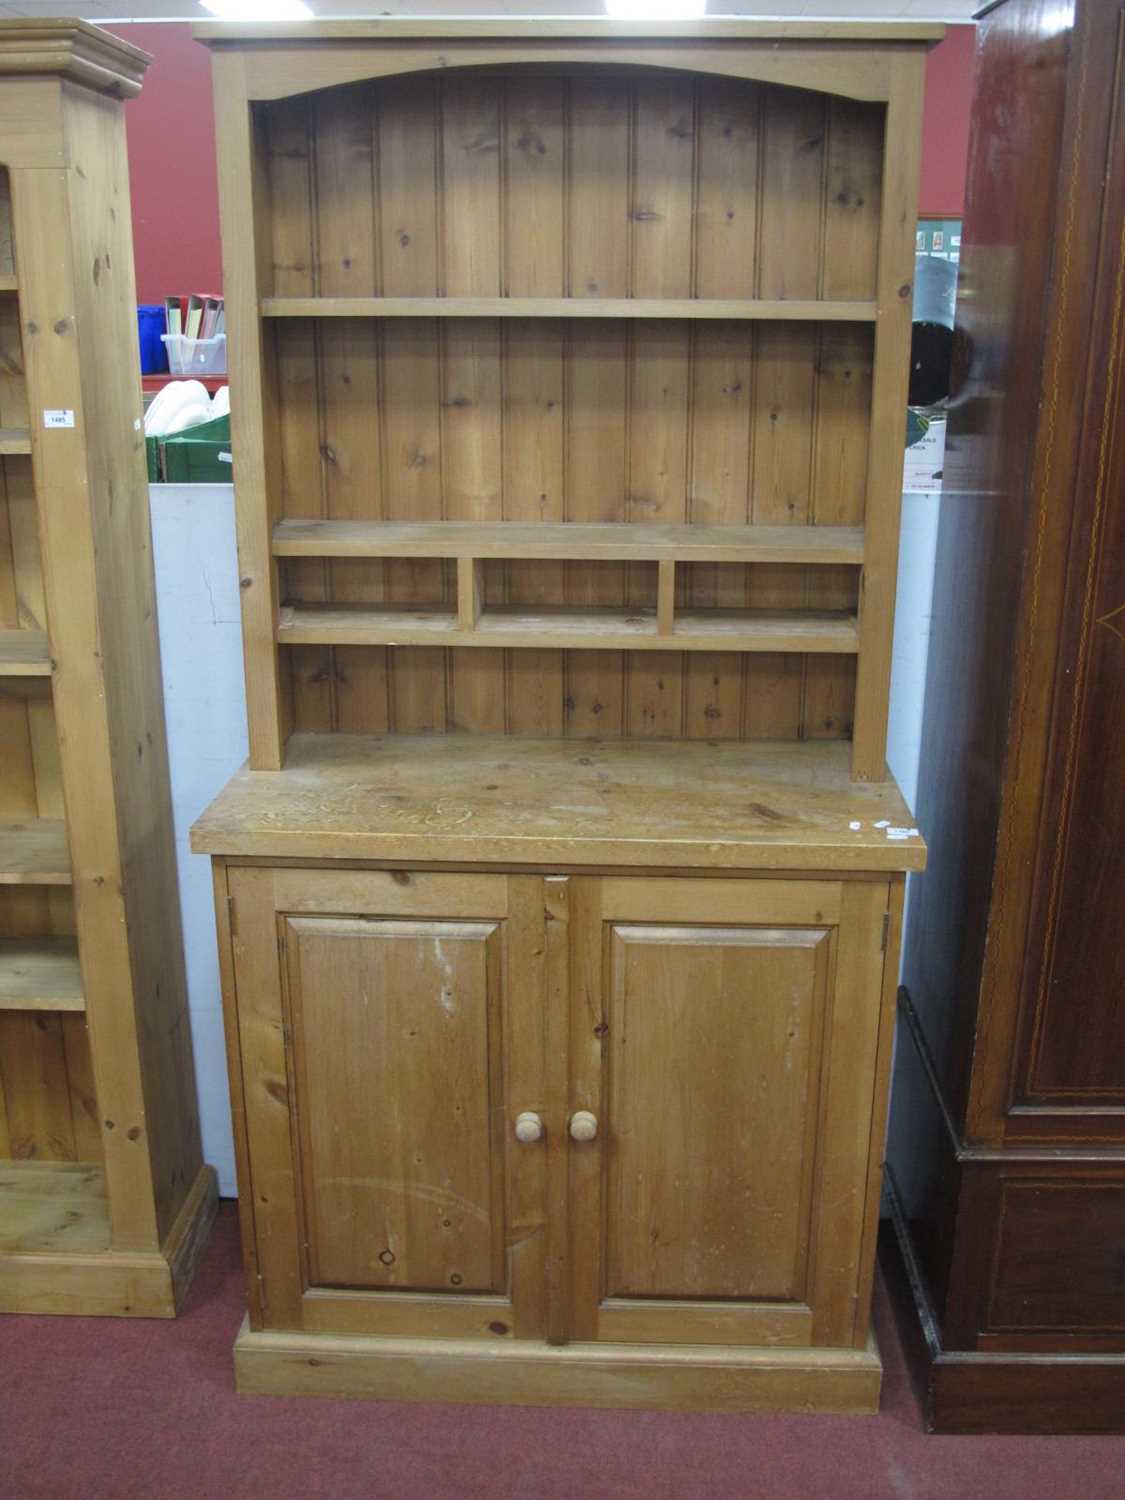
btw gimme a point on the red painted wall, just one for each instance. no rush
(171, 138)
(170, 128)
(945, 125)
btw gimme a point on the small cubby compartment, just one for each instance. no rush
(50, 1111)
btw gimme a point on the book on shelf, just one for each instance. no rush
(174, 314)
(199, 315)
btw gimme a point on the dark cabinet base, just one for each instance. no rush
(998, 1393)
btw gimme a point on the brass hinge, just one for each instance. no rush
(263, 1302)
(886, 929)
(230, 916)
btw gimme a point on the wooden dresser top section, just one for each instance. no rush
(490, 800)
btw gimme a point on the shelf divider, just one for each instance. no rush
(470, 592)
(775, 310)
(665, 595)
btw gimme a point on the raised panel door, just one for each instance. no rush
(383, 1061)
(707, 1178)
(725, 1036)
(399, 1091)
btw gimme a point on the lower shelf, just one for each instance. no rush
(622, 1376)
(56, 1252)
(571, 629)
(59, 1207)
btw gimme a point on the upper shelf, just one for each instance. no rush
(15, 440)
(576, 541)
(776, 309)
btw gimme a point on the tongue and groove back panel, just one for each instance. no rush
(598, 184)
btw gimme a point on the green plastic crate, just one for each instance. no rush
(198, 455)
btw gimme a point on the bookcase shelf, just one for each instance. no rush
(797, 310)
(572, 629)
(576, 541)
(14, 440)
(24, 653)
(41, 973)
(9, 282)
(34, 852)
(154, 383)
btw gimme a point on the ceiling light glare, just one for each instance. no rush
(258, 10)
(655, 10)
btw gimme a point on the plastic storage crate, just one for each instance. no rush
(196, 356)
(198, 455)
(154, 355)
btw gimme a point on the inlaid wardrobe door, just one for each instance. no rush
(385, 1063)
(723, 1074)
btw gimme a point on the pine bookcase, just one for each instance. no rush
(104, 1198)
(559, 899)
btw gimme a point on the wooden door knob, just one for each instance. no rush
(583, 1125)
(529, 1127)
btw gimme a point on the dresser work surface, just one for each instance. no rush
(645, 802)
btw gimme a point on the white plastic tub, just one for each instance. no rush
(195, 356)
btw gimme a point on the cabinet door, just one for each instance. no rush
(725, 1035)
(377, 1037)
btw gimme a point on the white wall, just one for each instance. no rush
(201, 647)
(201, 651)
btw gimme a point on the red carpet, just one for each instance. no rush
(119, 1410)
